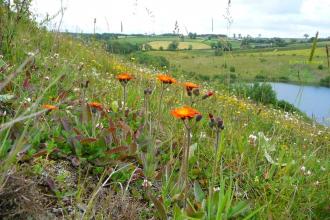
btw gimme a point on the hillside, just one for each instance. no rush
(82, 140)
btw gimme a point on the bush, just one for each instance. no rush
(263, 93)
(218, 52)
(190, 47)
(325, 81)
(320, 67)
(203, 77)
(147, 47)
(283, 79)
(219, 77)
(161, 48)
(260, 78)
(232, 69)
(286, 106)
(174, 45)
(122, 47)
(156, 61)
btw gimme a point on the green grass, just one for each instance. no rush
(270, 64)
(79, 162)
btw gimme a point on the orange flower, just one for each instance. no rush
(96, 105)
(124, 77)
(184, 112)
(191, 86)
(49, 107)
(166, 79)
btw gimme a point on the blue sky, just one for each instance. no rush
(270, 18)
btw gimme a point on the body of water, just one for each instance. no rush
(313, 100)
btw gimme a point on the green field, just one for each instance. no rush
(290, 65)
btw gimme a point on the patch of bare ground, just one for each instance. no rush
(58, 192)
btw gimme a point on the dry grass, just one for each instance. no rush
(20, 199)
(182, 45)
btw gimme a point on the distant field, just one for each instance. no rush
(182, 45)
(291, 65)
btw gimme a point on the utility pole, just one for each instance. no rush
(94, 25)
(212, 25)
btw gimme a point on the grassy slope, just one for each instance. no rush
(286, 191)
(272, 64)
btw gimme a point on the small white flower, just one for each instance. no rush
(47, 78)
(303, 168)
(322, 168)
(309, 173)
(203, 134)
(216, 189)
(31, 54)
(28, 99)
(99, 125)
(146, 183)
(317, 183)
(252, 139)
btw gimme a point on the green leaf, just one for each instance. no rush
(199, 194)
(159, 206)
(115, 106)
(2, 63)
(254, 213)
(237, 209)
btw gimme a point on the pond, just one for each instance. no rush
(313, 100)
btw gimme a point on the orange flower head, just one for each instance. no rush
(49, 107)
(166, 79)
(190, 86)
(124, 77)
(95, 105)
(185, 112)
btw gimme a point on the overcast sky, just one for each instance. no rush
(270, 18)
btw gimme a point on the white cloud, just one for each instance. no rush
(270, 18)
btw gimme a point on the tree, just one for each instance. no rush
(192, 35)
(306, 36)
(245, 43)
(173, 45)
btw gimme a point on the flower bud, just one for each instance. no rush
(198, 118)
(208, 94)
(148, 91)
(196, 92)
(219, 122)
